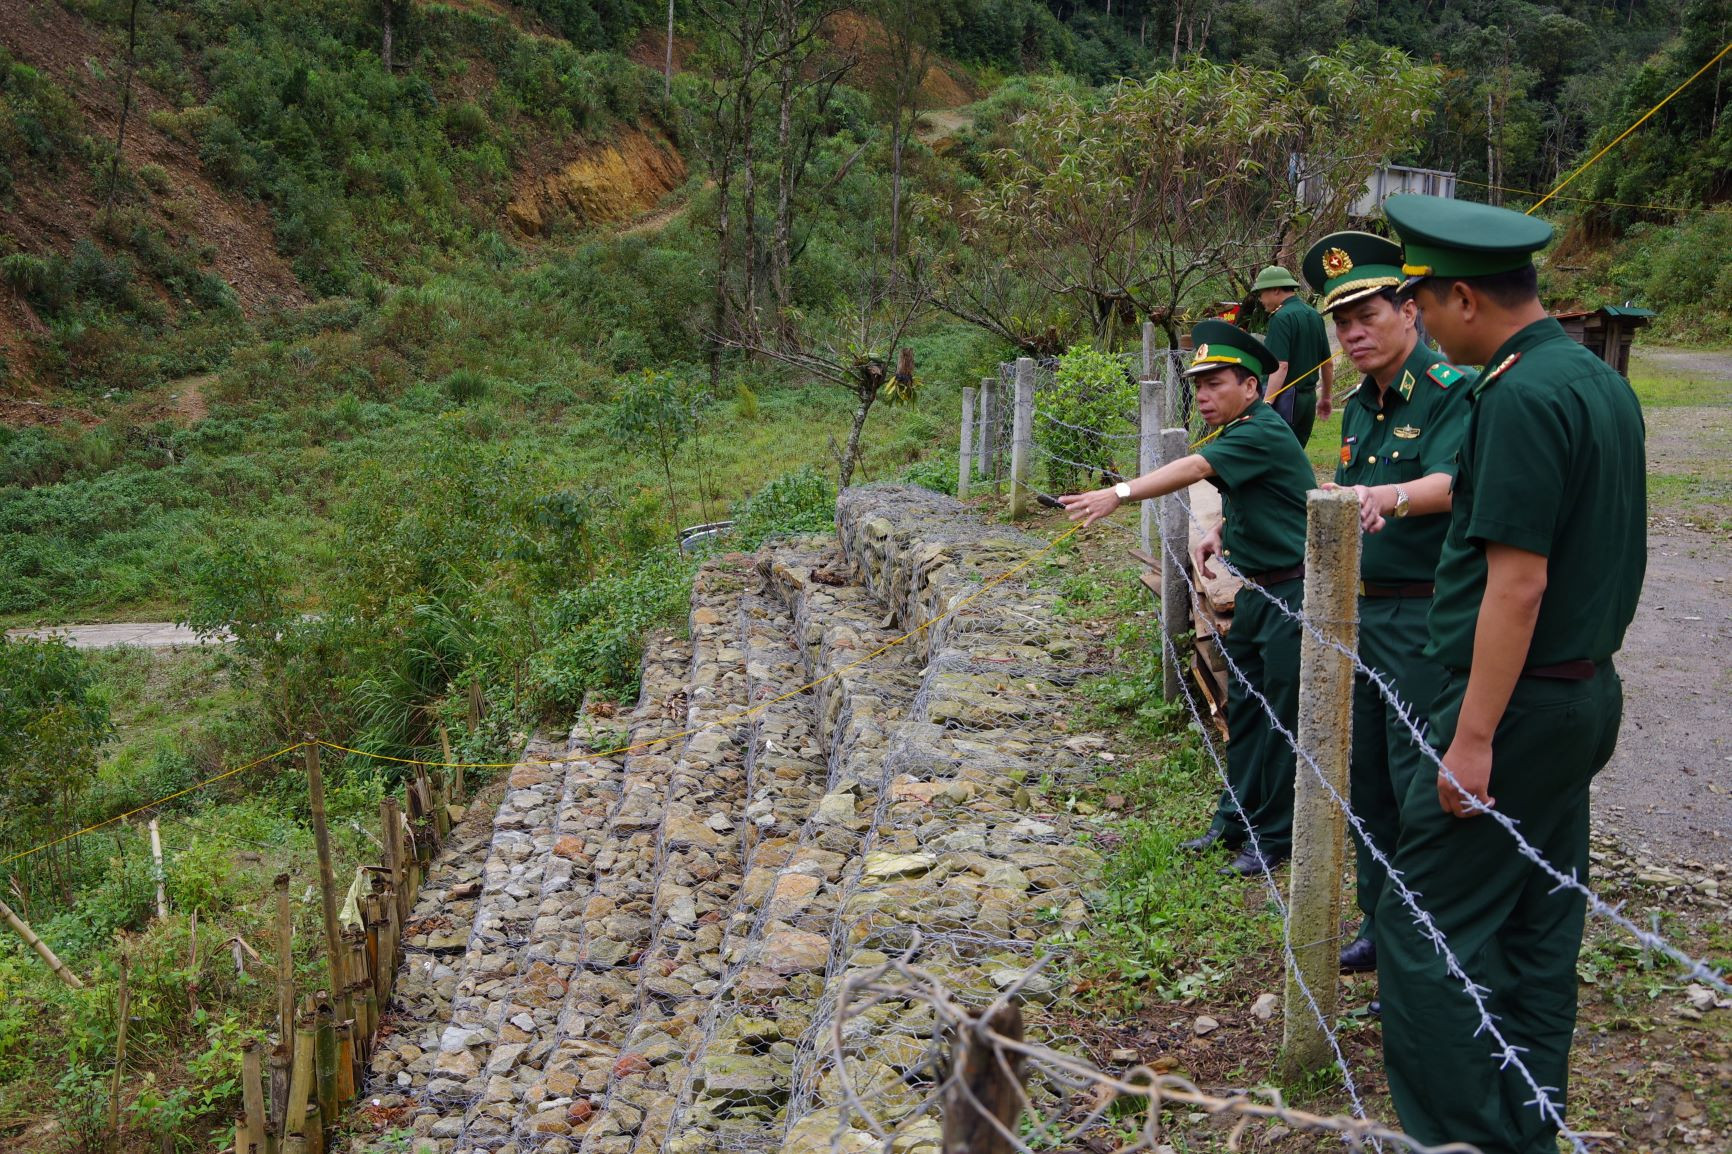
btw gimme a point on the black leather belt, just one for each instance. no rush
(1579, 670)
(1414, 589)
(1276, 576)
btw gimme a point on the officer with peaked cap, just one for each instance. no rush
(1400, 430)
(1539, 576)
(1301, 350)
(1263, 475)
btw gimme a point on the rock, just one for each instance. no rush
(1264, 1007)
(744, 1079)
(569, 848)
(1124, 1057)
(505, 1058)
(795, 951)
(895, 865)
(462, 1064)
(835, 809)
(1204, 1026)
(720, 823)
(629, 1064)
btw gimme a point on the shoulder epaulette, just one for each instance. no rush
(1444, 374)
(1493, 374)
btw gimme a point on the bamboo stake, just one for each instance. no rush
(123, 1014)
(315, 1130)
(456, 770)
(295, 1144)
(253, 1097)
(285, 964)
(156, 869)
(345, 1063)
(327, 879)
(391, 823)
(301, 1078)
(325, 1064)
(23, 930)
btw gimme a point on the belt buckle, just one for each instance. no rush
(1362, 591)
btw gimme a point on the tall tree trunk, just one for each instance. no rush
(781, 257)
(668, 68)
(125, 104)
(896, 138)
(724, 242)
(387, 12)
(749, 214)
(851, 455)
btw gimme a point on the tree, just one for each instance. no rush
(1156, 195)
(658, 408)
(53, 724)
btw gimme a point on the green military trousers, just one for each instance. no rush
(1264, 644)
(1514, 932)
(1304, 413)
(1386, 757)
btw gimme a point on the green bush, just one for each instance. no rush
(600, 628)
(1092, 403)
(466, 386)
(802, 501)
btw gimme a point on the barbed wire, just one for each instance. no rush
(1072, 1099)
(1695, 967)
(1507, 1053)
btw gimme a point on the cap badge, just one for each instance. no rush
(1202, 352)
(1406, 432)
(1336, 263)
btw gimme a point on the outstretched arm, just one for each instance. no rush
(1169, 478)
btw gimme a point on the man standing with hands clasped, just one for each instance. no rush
(1541, 569)
(1399, 434)
(1263, 476)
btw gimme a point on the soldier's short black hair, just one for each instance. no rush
(1508, 289)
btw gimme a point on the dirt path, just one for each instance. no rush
(1668, 790)
(143, 634)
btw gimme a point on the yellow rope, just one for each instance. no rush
(152, 805)
(730, 720)
(1590, 162)
(1576, 199)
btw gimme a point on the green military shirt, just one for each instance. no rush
(1411, 431)
(1553, 463)
(1263, 476)
(1296, 336)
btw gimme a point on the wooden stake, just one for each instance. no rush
(345, 1063)
(325, 1062)
(156, 869)
(987, 1085)
(1332, 544)
(285, 964)
(253, 1098)
(456, 770)
(23, 930)
(122, 1015)
(391, 825)
(301, 1077)
(327, 879)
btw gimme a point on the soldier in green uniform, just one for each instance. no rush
(1399, 434)
(1540, 573)
(1301, 350)
(1263, 475)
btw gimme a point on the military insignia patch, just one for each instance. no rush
(1346, 455)
(1336, 263)
(1406, 432)
(1444, 375)
(1407, 386)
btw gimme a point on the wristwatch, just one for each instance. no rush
(1401, 504)
(1122, 490)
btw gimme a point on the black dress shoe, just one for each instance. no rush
(1360, 956)
(1201, 844)
(1250, 863)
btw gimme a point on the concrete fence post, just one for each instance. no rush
(1022, 439)
(1331, 606)
(1175, 590)
(965, 448)
(1149, 351)
(1149, 401)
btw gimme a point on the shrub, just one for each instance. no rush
(1092, 402)
(801, 501)
(466, 386)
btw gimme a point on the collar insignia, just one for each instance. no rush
(1494, 374)
(1336, 263)
(1406, 385)
(1406, 432)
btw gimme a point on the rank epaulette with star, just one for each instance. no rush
(1444, 374)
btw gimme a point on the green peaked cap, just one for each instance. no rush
(1274, 277)
(1347, 266)
(1458, 238)
(1219, 344)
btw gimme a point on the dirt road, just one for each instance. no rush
(1668, 790)
(143, 634)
